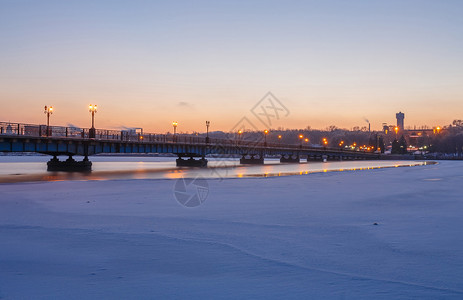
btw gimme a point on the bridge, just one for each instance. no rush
(191, 150)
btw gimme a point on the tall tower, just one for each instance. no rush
(400, 116)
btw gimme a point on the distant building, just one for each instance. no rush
(385, 128)
(400, 116)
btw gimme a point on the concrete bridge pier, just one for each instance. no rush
(290, 159)
(191, 162)
(253, 160)
(69, 165)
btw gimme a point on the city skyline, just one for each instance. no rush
(148, 64)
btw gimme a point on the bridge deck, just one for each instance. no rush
(16, 137)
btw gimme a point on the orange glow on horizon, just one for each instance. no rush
(115, 117)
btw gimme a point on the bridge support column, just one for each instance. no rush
(69, 165)
(252, 160)
(191, 162)
(290, 159)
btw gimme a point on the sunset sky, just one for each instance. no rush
(148, 63)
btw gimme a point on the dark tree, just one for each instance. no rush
(403, 145)
(382, 146)
(395, 147)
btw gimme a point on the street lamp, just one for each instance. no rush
(396, 129)
(325, 142)
(301, 137)
(240, 133)
(279, 139)
(306, 140)
(175, 124)
(92, 132)
(48, 111)
(208, 123)
(265, 137)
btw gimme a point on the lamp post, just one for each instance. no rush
(48, 111)
(306, 140)
(265, 137)
(301, 137)
(208, 123)
(92, 132)
(240, 134)
(325, 143)
(175, 124)
(279, 139)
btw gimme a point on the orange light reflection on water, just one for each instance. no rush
(167, 170)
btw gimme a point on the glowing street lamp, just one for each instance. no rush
(240, 134)
(265, 137)
(396, 129)
(175, 124)
(301, 137)
(92, 132)
(48, 110)
(93, 108)
(306, 140)
(207, 131)
(279, 139)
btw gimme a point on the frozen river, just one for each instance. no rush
(33, 168)
(388, 233)
(385, 233)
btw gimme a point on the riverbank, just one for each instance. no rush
(307, 236)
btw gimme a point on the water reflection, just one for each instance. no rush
(19, 169)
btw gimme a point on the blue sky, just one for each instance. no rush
(146, 63)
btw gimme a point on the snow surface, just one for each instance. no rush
(296, 237)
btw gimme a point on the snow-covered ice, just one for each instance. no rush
(302, 237)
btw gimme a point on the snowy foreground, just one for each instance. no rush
(304, 237)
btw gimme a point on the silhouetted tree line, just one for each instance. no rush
(449, 140)
(291, 136)
(377, 141)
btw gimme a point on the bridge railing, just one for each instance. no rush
(31, 130)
